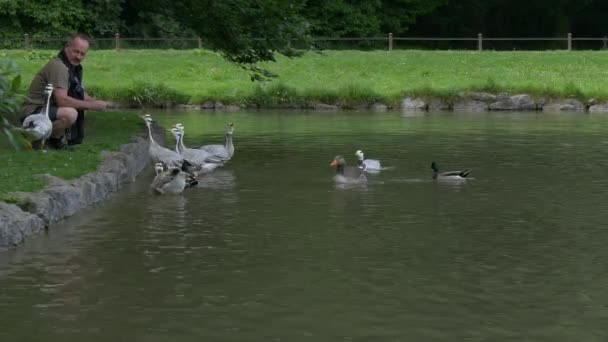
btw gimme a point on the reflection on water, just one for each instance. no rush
(219, 179)
(270, 248)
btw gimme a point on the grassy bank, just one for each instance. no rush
(104, 131)
(346, 77)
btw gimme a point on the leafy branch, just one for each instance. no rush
(11, 96)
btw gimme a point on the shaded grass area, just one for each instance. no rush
(344, 77)
(104, 132)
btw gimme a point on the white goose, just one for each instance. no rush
(166, 156)
(208, 156)
(207, 162)
(39, 126)
(367, 165)
(225, 151)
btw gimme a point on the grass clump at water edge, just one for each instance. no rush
(104, 132)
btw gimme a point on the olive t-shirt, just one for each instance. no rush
(55, 73)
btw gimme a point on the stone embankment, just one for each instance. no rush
(481, 102)
(62, 198)
(464, 102)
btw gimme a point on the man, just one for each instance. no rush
(70, 99)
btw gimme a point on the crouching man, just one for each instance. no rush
(69, 100)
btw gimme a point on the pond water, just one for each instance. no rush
(269, 248)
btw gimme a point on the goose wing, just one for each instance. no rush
(201, 157)
(37, 126)
(216, 150)
(371, 164)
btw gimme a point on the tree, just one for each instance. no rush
(343, 18)
(244, 31)
(397, 15)
(102, 17)
(365, 18)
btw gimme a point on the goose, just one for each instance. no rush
(207, 161)
(39, 126)
(225, 151)
(172, 181)
(166, 156)
(347, 174)
(448, 175)
(368, 165)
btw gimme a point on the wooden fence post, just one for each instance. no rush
(117, 41)
(200, 43)
(390, 41)
(605, 40)
(26, 41)
(569, 41)
(479, 42)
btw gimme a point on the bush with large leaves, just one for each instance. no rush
(11, 97)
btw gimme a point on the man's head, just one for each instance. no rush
(76, 48)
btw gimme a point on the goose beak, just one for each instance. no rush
(334, 163)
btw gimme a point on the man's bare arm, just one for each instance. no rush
(63, 100)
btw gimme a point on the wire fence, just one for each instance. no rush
(387, 42)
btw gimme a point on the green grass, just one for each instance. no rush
(104, 131)
(345, 77)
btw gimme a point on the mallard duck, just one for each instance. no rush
(172, 181)
(448, 175)
(191, 178)
(159, 168)
(368, 165)
(347, 174)
(38, 127)
(226, 151)
(164, 155)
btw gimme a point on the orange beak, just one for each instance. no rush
(334, 163)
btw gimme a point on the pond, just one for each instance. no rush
(269, 248)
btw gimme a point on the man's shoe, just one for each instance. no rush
(56, 144)
(37, 145)
(74, 142)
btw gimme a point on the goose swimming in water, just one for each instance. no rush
(38, 127)
(207, 161)
(448, 175)
(368, 165)
(225, 151)
(166, 156)
(347, 174)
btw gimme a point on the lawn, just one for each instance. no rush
(104, 131)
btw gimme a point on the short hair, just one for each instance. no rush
(78, 36)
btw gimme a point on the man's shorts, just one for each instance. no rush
(52, 113)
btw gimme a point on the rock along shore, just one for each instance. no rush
(469, 102)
